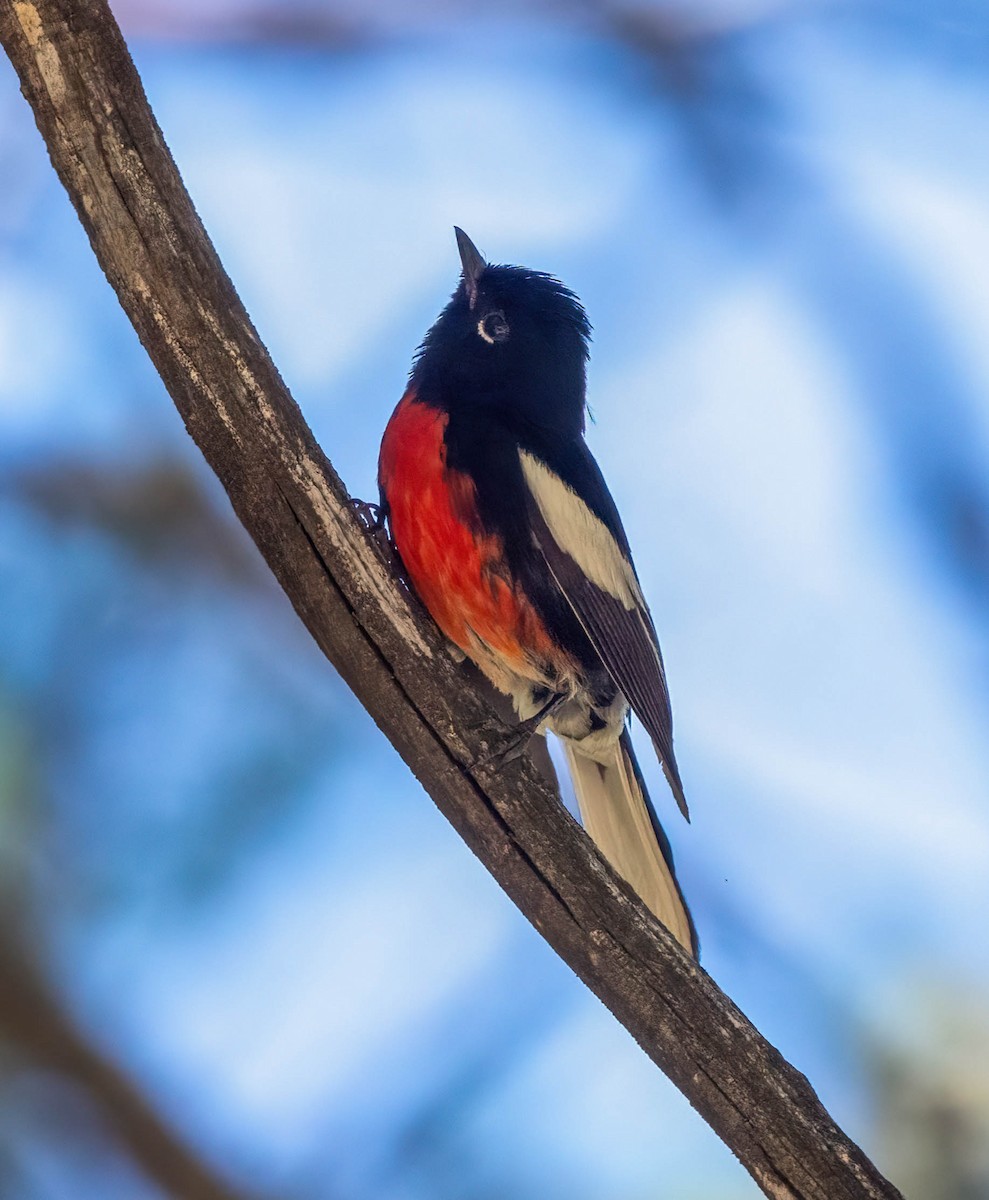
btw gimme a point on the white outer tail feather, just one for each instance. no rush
(615, 814)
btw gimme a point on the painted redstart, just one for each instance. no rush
(511, 539)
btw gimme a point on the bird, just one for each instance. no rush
(505, 529)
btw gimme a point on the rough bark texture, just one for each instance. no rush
(109, 152)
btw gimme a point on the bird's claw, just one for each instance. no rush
(506, 748)
(372, 521)
(371, 516)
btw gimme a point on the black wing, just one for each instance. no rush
(579, 534)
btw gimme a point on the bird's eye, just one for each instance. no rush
(493, 327)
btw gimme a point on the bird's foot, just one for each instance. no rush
(506, 748)
(371, 516)
(372, 520)
(503, 748)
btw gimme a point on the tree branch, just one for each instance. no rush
(36, 1026)
(109, 152)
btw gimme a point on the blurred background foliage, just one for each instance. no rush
(240, 952)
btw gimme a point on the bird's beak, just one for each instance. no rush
(472, 261)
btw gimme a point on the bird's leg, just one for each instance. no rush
(372, 518)
(509, 748)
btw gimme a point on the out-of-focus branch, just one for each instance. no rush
(37, 1028)
(110, 155)
(336, 23)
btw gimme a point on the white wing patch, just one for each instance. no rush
(582, 535)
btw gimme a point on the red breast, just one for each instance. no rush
(459, 571)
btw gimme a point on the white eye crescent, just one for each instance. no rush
(493, 327)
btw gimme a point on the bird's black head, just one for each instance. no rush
(512, 343)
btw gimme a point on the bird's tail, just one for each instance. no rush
(617, 813)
